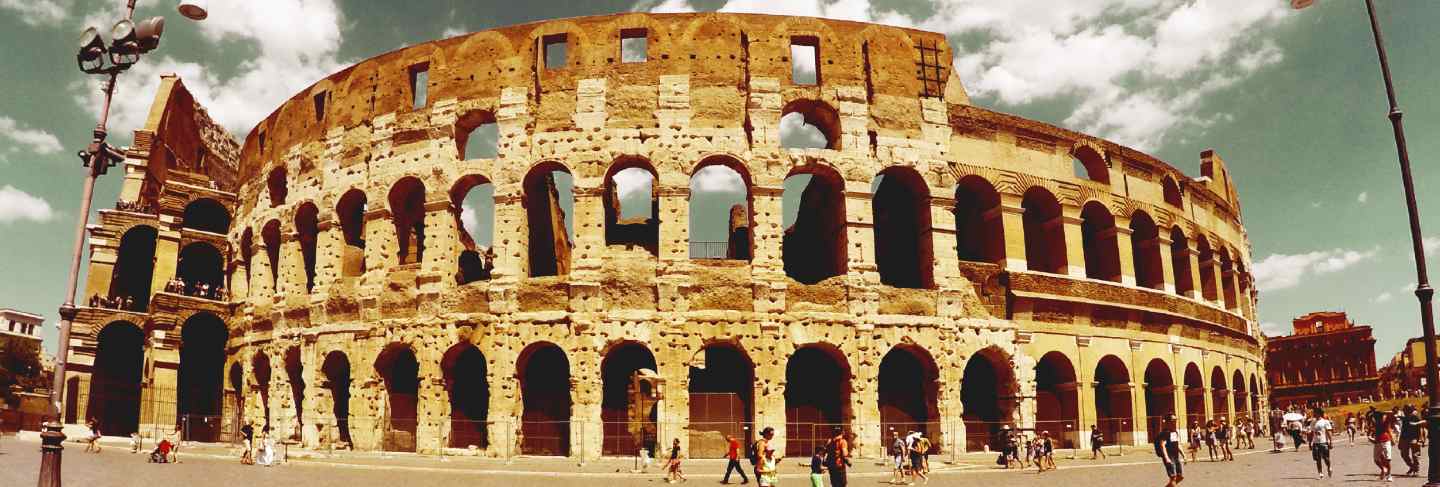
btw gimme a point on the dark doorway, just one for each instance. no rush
(400, 371)
(986, 395)
(901, 209)
(545, 391)
(721, 392)
(1057, 402)
(1112, 399)
(337, 372)
(261, 365)
(295, 373)
(467, 380)
(817, 398)
(628, 413)
(201, 377)
(907, 393)
(115, 383)
(813, 247)
(135, 267)
(1159, 395)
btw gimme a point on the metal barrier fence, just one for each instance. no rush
(709, 250)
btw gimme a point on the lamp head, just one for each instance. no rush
(193, 9)
(124, 48)
(147, 33)
(91, 56)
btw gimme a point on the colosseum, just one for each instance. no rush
(915, 263)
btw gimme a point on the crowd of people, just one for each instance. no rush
(197, 289)
(1401, 429)
(135, 206)
(124, 303)
(832, 457)
(1021, 450)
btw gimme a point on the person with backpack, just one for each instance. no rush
(919, 463)
(897, 454)
(758, 448)
(733, 455)
(839, 459)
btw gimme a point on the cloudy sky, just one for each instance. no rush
(1292, 100)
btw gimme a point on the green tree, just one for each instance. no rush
(20, 370)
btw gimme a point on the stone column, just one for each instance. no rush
(1125, 248)
(292, 271)
(674, 244)
(381, 243)
(167, 258)
(1074, 241)
(1012, 217)
(865, 421)
(239, 281)
(262, 284)
(329, 255)
(1196, 288)
(943, 242)
(1167, 267)
(768, 265)
(512, 260)
(1228, 288)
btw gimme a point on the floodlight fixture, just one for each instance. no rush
(193, 9)
(91, 56)
(147, 33)
(124, 50)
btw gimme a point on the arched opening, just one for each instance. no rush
(472, 203)
(1180, 262)
(721, 225)
(261, 365)
(397, 366)
(908, 393)
(116, 378)
(237, 388)
(1102, 251)
(467, 378)
(1227, 281)
(337, 377)
(307, 231)
(295, 375)
(1089, 164)
(1112, 400)
(632, 208)
(817, 398)
(1219, 395)
(722, 388)
(202, 271)
(407, 210)
(1240, 397)
(1207, 269)
(1145, 249)
(545, 394)
(548, 202)
(207, 215)
(1159, 395)
(1171, 191)
(134, 268)
(627, 406)
(1194, 396)
(1057, 400)
(278, 186)
(351, 214)
(477, 136)
(979, 228)
(903, 242)
(247, 252)
(1044, 232)
(270, 236)
(987, 395)
(201, 376)
(809, 124)
(813, 204)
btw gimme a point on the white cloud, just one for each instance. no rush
(1429, 244)
(1364, 197)
(719, 179)
(36, 12)
(1270, 328)
(26, 139)
(796, 134)
(292, 43)
(1135, 70)
(453, 31)
(17, 205)
(1280, 271)
(1382, 297)
(469, 218)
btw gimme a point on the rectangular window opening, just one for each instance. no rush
(556, 48)
(261, 140)
(633, 44)
(805, 60)
(319, 100)
(419, 84)
(200, 158)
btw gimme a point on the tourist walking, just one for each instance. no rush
(1047, 452)
(758, 448)
(1222, 437)
(247, 442)
(1097, 441)
(1210, 439)
(1194, 442)
(673, 473)
(1320, 443)
(1410, 427)
(839, 460)
(919, 465)
(817, 467)
(733, 455)
(1350, 426)
(267, 448)
(1167, 447)
(1383, 439)
(766, 474)
(897, 455)
(92, 443)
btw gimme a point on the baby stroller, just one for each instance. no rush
(161, 453)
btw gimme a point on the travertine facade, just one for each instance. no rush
(984, 282)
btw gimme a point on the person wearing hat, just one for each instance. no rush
(1167, 447)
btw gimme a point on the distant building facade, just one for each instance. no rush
(1328, 360)
(18, 328)
(1404, 376)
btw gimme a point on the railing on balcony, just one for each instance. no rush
(709, 250)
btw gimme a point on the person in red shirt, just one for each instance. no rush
(1383, 439)
(734, 464)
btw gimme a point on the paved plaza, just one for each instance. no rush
(213, 465)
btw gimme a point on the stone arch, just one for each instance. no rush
(1057, 397)
(619, 229)
(817, 397)
(247, 251)
(206, 215)
(1159, 394)
(475, 262)
(1145, 251)
(1089, 163)
(722, 389)
(336, 369)
(816, 113)
(987, 397)
(1238, 395)
(1255, 394)
(270, 236)
(1102, 250)
(1206, 258)
(477, 135)
(1194, 395)
(1220, 395)
(350, 212)
(399, 371)
(979, 227)
(1112, 399)
(544, 374)
(277, 185)
(200, 263)
(295, 375)
(200, 380)
(260, 365)
(629, 425)
(307, 232)
(135, 266)
(407, 211)
(711, 179)
(1171, 191)
(237, 386)
(467, 380)
(1180, 262)
(549, 235)
(1227, 282)
(116, 379)
(900, 205)
(1044, 232)
(814, 246)
(908, 392)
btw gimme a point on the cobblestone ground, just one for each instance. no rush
(208, 465)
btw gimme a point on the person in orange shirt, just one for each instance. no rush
(733, 455)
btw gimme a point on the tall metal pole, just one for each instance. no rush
(1423, 292)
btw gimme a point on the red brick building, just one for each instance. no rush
(1328, 360)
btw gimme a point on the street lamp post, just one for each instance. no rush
(1423, 292)
(129, 40)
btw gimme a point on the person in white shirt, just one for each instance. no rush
(1320, 443)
